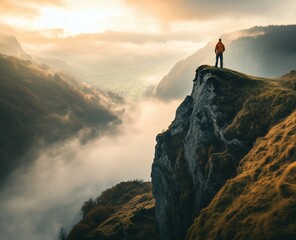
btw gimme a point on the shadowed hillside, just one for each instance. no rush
(39, 107)
(259, 51)
(125, 211)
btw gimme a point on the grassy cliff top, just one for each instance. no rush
(251, 105)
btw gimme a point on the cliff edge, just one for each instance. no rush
(214, 129)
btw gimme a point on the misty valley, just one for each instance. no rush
(111, 147)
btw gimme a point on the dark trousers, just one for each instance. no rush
(219, 55)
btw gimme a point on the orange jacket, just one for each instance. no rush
(220, 48)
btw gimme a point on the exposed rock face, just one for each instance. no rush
(214, 128)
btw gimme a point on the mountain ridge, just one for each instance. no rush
(259, 51)
(9, 45)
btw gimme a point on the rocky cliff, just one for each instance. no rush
(214, 129)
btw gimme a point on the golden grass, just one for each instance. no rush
(260, 203)
(123, 211)
(122, 219)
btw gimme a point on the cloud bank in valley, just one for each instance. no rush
(48, 194)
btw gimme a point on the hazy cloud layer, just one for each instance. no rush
(28, 8)
(143, 37)
(49, 193)
(125, 62)
(122, 62)
(209, 9)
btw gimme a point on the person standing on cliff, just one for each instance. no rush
(219, 49)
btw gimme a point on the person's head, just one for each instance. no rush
(220, 40)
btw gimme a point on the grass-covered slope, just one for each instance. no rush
(125, 211)
(253, 105)
(39, 107)
(214, 129)
(260, 203)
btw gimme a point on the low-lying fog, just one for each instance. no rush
(40, 199)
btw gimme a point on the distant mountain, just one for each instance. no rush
(125, 211)
(39, 107)
(225, 168)
(9, 45)
(97, 72)
(54, 63)
(260, 51)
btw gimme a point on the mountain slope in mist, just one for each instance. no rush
(39, 107)
(90, 63)
(9, 45)
(125, 211)
(259, 51)
(211, 141)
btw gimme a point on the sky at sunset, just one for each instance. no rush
(62, 18)
(138, 41)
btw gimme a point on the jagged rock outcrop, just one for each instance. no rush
(214, 128)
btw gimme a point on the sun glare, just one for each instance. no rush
(74, 22)
(76, 17)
